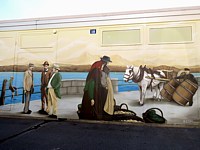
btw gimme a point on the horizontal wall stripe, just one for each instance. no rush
(189, 13)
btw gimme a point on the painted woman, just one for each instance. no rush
(98, 101)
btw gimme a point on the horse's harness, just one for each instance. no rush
(140, 74)
(135, 77)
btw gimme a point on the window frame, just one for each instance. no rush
(170, 26)
(122, 29)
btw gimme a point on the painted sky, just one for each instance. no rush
(21, 9)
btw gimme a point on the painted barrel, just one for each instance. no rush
(184, 92)
(169, 88)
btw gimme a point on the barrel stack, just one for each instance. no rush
(181, 92)
(184, 93)
(169, 88)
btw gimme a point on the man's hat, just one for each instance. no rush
(186, 69)
(106, 59)
(55, 66)
(45, 63)
(31, 65)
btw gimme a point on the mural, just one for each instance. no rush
(180, 88)
(156, 54)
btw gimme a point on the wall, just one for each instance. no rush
(156, 37)
(75, 46)
(169, 39)
(76, 86)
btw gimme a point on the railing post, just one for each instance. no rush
(3, 92)
(22, 95)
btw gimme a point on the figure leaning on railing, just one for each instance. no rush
(11, 87)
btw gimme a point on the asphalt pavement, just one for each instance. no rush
(20, 131)
(36, 134)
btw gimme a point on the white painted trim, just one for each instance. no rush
(159, 15)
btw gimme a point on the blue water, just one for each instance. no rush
(18, 82)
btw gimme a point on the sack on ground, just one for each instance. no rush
(150, 116)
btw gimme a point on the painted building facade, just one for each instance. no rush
(168, 37)
(160, 37)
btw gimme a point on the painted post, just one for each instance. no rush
(23, 96)
(3, 92)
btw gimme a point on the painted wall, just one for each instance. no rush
(76, 46)
(151, 41)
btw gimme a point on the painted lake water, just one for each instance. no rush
(18, 82)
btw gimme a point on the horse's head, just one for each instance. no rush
(128, 73)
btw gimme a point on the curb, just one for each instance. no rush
(122, 123)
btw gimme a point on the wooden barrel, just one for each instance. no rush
(169, 88)
(184, 92)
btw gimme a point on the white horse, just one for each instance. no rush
(145, 78)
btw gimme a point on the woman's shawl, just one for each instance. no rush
(109, 104)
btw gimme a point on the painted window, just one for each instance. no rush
(36, 40)
(121, 37)
(170, 35)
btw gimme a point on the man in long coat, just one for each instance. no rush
(45, 76)
(28, 87)
(95, 92)
(54, 92)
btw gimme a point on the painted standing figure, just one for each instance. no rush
(45, 76)
(54, 92)
(98, 100)
(28, 87)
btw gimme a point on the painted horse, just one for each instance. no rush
(145, 78)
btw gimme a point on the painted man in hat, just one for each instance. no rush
(28, 87)
(98, 101)
(45, 76)
(54, 92)
(185, 74)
